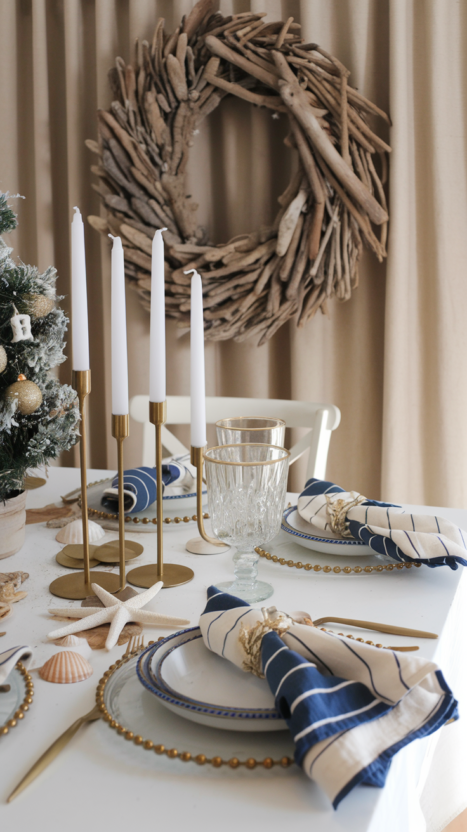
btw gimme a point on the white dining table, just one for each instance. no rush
(101, 781)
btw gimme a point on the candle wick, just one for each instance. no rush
(191, 271)
(160, 230)
(75, 208)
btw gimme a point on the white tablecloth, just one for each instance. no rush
(100, 780)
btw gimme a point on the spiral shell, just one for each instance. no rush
(65, 668)
(73, 532)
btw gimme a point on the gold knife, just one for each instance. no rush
(53, 751)
(373, 625)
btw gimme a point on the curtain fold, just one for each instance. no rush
(393, 357)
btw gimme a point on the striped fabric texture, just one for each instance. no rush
(9, 658)
(349, 706)
(387, 528)
(140, 488)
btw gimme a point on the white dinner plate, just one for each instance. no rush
(199, 685)
(321, 541)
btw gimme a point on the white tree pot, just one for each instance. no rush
(12, 525)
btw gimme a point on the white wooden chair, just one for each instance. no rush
(321, 419)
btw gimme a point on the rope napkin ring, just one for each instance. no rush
(251, 637)
(337, 511)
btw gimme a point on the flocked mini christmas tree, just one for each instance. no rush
(38, 416)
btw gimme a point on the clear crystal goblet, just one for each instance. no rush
(247, 486)
(256, 429)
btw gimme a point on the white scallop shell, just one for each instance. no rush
(73, 532)
(66, 667)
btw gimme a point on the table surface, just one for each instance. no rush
(101, 779)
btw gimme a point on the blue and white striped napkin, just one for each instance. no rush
(9, 658)
(140, 488)
(387, 528)
(349, 706)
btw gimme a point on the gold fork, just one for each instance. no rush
(135, 644)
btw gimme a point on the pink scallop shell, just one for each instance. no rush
(66, 667)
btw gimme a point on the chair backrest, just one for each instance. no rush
(320, 419)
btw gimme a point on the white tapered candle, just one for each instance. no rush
(79, 301)
(197, 379)
(157, 382)
(119, 360)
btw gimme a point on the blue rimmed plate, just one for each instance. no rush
(320, 541)
(197, 684)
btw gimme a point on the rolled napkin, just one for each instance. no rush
(140, 487)
(386, 528)
(9, 658)
(349, 706)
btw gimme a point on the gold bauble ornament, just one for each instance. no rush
(26, 393)
(39, 305)
(3, 358)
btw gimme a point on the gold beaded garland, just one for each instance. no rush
(336, 570)
(172, 753)
(24, 707)
(26, 393)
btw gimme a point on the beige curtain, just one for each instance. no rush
(392, 358)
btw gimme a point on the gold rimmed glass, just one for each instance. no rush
(247, 485)
(253, 429)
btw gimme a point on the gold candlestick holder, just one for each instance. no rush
(203, 545)
(172, 574)
(120, 431)
(78, 585)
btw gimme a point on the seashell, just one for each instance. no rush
(65, 668)
(80, 645)
(5, 610)
(301, 617)
(71, 641)
(73, 532)
(9, 595)
(16, 577)
(97, 636)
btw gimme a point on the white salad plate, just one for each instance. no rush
(321, 541)
(199, 685)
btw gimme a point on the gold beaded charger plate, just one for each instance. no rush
(305, 534)
(175, 508)
(195, 683)
(142, 720)
(15, 702)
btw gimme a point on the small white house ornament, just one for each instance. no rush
(21, 326)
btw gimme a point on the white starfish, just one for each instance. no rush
(115, 611)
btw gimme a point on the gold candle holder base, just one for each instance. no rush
(172, 574)
(78, 585)
(72, 556)
(203, 545)
(110, 552)
(74, 587)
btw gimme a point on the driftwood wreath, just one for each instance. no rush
(254, 283)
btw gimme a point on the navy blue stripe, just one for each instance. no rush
(400, 671)
(447, 550)
(212, 622)
(411, 543)
(346, 644)
(318, 659)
